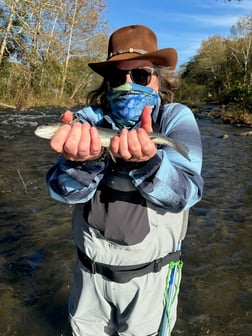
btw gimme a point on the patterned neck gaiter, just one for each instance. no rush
(127, 102)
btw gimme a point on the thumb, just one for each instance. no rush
(146, 120)
(66, 117)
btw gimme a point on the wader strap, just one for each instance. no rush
(124, 274)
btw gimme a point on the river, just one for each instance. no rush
(37, 251)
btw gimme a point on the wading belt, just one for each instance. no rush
(124, 274)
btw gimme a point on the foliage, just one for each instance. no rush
(222, 68)
(45, 47)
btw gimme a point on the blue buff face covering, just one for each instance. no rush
(127, 102)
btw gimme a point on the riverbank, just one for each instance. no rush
(228, 114)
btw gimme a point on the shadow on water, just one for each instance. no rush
(37, 252)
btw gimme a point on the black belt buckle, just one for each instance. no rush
(92, 267)
(87, 262)
(157, 266)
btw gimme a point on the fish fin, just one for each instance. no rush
(112, 156)
(182, 149)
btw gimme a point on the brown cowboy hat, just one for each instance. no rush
(133, 43)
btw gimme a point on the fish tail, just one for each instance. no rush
(182, 149)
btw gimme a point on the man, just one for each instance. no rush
(130, 213)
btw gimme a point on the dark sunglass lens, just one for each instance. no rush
(116, 77)
(141, 76)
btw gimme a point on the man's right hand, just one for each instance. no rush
(78, 142)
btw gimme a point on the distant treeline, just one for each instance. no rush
(45, 47)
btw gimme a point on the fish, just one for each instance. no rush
(106, 134)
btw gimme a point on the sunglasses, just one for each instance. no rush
(141, 76)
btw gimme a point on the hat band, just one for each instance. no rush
(130, 50)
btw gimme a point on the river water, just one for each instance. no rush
(37, 251)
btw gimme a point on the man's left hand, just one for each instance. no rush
(135, 144)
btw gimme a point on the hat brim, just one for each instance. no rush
(166, 57)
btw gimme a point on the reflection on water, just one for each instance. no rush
(37, 252)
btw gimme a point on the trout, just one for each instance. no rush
(47, 132)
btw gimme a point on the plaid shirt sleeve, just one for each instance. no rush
(169, 180)
(74, 182)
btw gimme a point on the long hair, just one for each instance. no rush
(168, 82)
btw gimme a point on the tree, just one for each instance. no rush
(81, 19)
(241, 47)
(41, 38)
(7, 32)
(223, 66)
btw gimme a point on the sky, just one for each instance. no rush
(179, 24)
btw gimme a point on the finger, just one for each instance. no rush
(72, 142)
(134, 145)
(84, 142)
(67, 117)
(95, 145)
(148, 147)
(114, 145)
(59, 138)
(123, 145)
(146, 120)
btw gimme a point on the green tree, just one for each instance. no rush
(222, 67)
